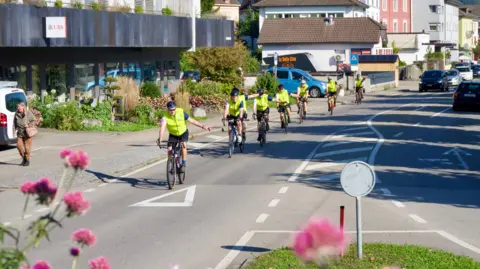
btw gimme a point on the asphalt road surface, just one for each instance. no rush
(230, 210)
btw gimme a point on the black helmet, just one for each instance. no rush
(234, 92)
(280, 86)
(260, 91)
(171, 105)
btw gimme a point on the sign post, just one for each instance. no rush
(275, 62)
(358, 180)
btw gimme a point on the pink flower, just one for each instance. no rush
(65, 153)
(46, 190)
(41, 265)
(28, 187)
(84, 237)
(75, 203)
(25, 266)
(78, 160)
(99, 263)
(319, 240)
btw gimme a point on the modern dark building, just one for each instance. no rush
(84, 44)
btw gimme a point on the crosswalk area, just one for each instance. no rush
(350, 144)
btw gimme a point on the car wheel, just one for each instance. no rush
(315, 92)
(454, 108)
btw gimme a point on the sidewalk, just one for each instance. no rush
(112, 154)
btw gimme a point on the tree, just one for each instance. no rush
(249, 25)
(476, 50)
(395, 49)
(206, 6)
(221, 63)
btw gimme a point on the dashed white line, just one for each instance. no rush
(417, 218)
(355, 128)
(343, 151)
(261, 218)
(399, 134)
(398, 204)
(331, 164)
(386, 191)
(436, 114)
(195, 145)
(283, 190)
(232, 254)
(417, 124)
(42, 209)
(274, 203)
(354, 134)
(27, 216)
(89, 190)
(102, 185)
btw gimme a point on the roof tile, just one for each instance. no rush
(281, 3)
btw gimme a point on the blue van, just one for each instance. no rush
(291, 77)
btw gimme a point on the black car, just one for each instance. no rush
(432, 80)
(476, 70)
(467, 95)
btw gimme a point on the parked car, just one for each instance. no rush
(467, 95)
(291, 78)
(149, 74)
(10, 97)
(454, 78)
(195, 76)
(466, 72)
(476, 70)
(433, 79)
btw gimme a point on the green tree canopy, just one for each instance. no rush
(206, 6)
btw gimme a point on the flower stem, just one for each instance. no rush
(70, 183)
(25, 206)
(60, 184)
(74, 263)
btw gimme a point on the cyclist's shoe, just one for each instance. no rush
(258, 139)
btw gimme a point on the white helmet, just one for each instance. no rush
(329, 78)
(303, 81)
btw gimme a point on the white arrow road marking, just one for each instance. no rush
(433, 160)
(457, 153)
(331, 164)
(436, 114)
(354, 134)
(343, 151)
(190, 193)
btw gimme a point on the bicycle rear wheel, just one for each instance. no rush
(181, 175)
(285, 119)
(231, 144)
(332, 102)
(262, 132)
(171, 173)
(242, 145)
(301, 113)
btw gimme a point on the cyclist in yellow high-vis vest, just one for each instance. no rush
(234, 109)
(283, 100)
(261, 107)
(359, 85)
(302, 95)
(332, 90)
(175, 121)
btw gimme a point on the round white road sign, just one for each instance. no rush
(357, 179)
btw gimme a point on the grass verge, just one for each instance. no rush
(121, 127)
(375, 256)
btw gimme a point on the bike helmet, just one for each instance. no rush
(358, 75)
(171, 105)
(260, 91)
(303, 81)
(329, 78)
(280, 86)
(234, 92)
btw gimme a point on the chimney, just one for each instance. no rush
(328, 20)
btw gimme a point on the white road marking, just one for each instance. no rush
(398, 204)
(399, 134)
(274, 203)
(89, 190)
(323, 178)
(417, 124)
(352, 232)
(332, 144)
(420, 108)
(386, 191)
(458, 241)
(355, 128)
(343, 151)
(6, 223)
(140, 170)
(261, 218)
(188, 201)
(457, 152)
(215, 137)
(354, 134)
(27, 216)
(102, 185)
(283, 190)
(42, 209)
(360, 122)
(436, 114)
(417, 218)
(232, 254)
(194, 145)
(299, 170)
(331, 164)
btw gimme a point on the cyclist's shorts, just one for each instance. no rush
(332, 93)
(172, 139)
(281, 109)
(359, 89)
(263, 113)
(303, 98)
(234, 118)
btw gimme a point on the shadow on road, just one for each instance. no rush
(247, 248)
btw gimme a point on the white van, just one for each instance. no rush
(10, 97)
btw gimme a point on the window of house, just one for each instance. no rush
(435, 9)
(395, 5)
(304, 15)
(395, 26)
(298, 15)
(434, 27)
(384, 5)
(336, 15)
(405, 5)
(282, 74)
(405, 26)
(384, 21)
(286, 16)
(274, 16)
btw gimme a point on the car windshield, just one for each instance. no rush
(452, 73)
(432, 74)
(474, 87)
(463, 69)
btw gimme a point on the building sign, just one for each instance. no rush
(384, 51)
(55, 27)
(298, 60)
(361, 51)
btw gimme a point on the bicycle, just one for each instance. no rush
(174, 165)
(358, 95)
(331, 103)
(233, 140)
(262, 130)
(285, 118)
(301, 109)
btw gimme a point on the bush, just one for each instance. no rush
(58, 4)
(251, 65)
(166, 11)
(138, 9)
(150, 89)
(128, 88)
(142, 113)
(206, 88)
(268, 82)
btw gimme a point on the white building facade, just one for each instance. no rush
(373, 10)
(413, 46)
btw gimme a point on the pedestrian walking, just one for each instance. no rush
(25, 126)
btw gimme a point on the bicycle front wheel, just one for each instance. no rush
(262, 133)
(301, 114)
(171, 173)
(231, 145)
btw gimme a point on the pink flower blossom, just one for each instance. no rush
(28, 187)
(46, 190)
(84, 237)
(41, 265)
(99, 263)
(319, 240)
(75, 203)
(65, 153)
(25, 266)
(78, 160)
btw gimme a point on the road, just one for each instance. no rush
(231, 210)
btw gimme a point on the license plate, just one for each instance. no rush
(470, 95)
(430, 85)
